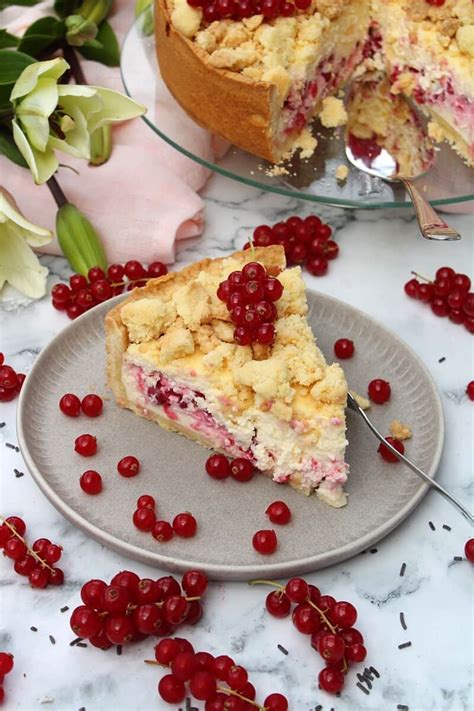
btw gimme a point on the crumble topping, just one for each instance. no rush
(361, 400)
(342, 171)
(147, 319)
(400, 431)
(333, 113)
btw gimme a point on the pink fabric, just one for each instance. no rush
(143, 199)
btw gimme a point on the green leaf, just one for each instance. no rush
(109, 52)
(41, 35)
(7, 40)
(5, 91)
(66, 7)
(12, 64)
(9, 149)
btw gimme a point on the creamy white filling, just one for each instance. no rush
(272, 444)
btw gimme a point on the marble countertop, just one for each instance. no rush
(378, 250)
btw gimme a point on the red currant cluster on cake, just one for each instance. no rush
(448, 295)
(307, 242)
(36, 563)
(6, 665)
(219, 681)
(10, 381)
(144, 518)
(329, 623)
(130, 608)
(213, 10)
(250, 296)
(85, 292)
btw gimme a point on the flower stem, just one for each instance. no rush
(56, 192)
(71, 57)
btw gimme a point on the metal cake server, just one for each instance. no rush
(353, 405)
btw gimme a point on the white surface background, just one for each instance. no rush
(378, 250)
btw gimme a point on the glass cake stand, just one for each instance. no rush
(449, 181)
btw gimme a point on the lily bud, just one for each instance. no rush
(101, 145)
(78, 240)
(80, 30)
(144, 11)
(95, 10)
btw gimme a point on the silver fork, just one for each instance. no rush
(353, 405)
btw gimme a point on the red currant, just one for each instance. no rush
(273, 289)
(468, 306)
(134, 270)
(276, 702)
(425, 292)
(203, 686)
(306, 619)
(379, 391)
(162, 531)
(351, 636)
(356, 653)
(317, 266)
(344, 614)
(442, 287)
(168, 587)
(194, 583)
(119, 629)
(183, 665)
(92, 405)
(70, 405)
(456, 299)
(326, 603)
(86, 445)
(100, 640)
(444, 273)
(265, 541)
(236, 677)
(56, 576)
(8, 378)
(95, 274)
(278, 512)
(411, 288)
(147, 592)
(77, 282)
(461, 282)
(17, 523)
(74, 311)
(156, 269)
(331, 647)
(147, 619)
(15, 548)
(470, 390)
(166, 650)
(116, 599)
(128, 466)
(331, 680)
(91, 482)
(92, 594)
(194, 613)
(52, 554)
(217, 466)
(221, 666)
(386, 454)
(469, 550)
(85, 622)
(241, 469)
(253, 271)
(62, 293)
(127, 580)
(296, 589)
(265, 334)
(39, 577)
(243, 336)
(344, 348)
(115, 273)
(185, 525)
(171, 689)
(24, 566)
(40, 545)
(266, 311)
(144, 519)
(6, 663)
(439, 307)
(145, 501)
(278, 604)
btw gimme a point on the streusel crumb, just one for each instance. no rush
(400, 431)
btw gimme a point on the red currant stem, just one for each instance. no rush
(155, 663)
(124, 283)
(420, 276)
(266, 582)
(30, 550)
(323, 616)
(132, 607)
(231, 692)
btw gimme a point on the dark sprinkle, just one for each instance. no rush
(34, 629)
(51, 639)
(374, 672)
(119, 649)
(402, 569)
(282, 649)
(83, 708)
(431, 525)
(64, 609)
(2, 424)
(457, 558)
(318, 708)
(81, 644)
(402, 707)
(402, 620)
(404, 645)
(18, 474)
(446, 527)
(362, 688)
(75, 641)
(441, 360)
(10, 446)
(373, 550)
(363, 552)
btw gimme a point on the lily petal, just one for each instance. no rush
(36, 129)
(115, 107)
(42, 164)
(19, 265)
(77, 140)
(36, 236)
(28, 79)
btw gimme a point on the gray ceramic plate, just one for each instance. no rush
(381, 495)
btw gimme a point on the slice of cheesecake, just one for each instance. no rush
(172, 359)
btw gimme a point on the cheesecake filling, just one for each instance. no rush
(274, 446)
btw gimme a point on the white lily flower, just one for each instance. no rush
(51, 116)
(19, 265)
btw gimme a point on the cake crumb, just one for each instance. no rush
(276, 170)
(333, 113)
(361, 400)
(400, 431)
(342, 171)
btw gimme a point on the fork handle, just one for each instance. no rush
(430, 224)
(431, 482)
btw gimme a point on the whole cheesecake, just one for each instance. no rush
(258, 81)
